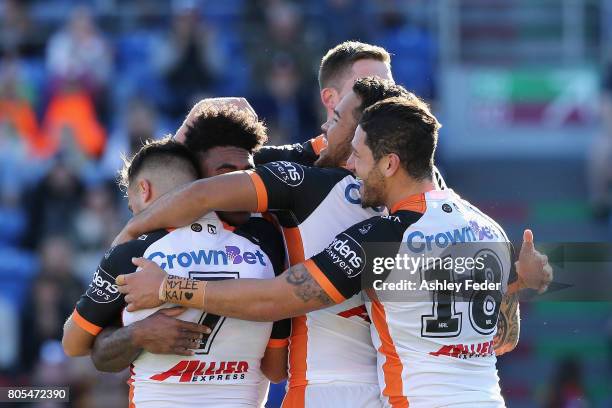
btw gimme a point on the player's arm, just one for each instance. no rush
(294, 293)
(303, 153)
(508, 325)
(317, 283)
(115, 348)
(228, 192)
(98, 307)
(76, 341)
(274, 364)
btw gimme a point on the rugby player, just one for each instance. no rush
(223, 355)
(425, 356)
(339, 69)
(331, 355)
(224, 138)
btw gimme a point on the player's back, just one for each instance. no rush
(225, 370)
(435, 338)
(332, 345)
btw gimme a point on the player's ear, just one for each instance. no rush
(144, 189)
(329, 98)
(391, 164)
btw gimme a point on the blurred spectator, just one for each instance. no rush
(600, 162)
(17, 115)
(567, 390)
(52, 204)
(139, 125)
(16, 32)
(345, 20)
(78, 55)
(281, 33)
(70, 126)
(96, 225)
(188, 60)
(289, 110)
(51, 299)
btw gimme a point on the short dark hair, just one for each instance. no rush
(372, 89)
(166, 152)
(406, 127)
(226, 126)
(339, 60)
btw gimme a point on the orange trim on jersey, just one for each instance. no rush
(130, 382)
(260, 189)
(323, 281)
(278, 343)
(392, 367)
(295, 397)
(295, 245)
(414, 203)
(84, 324)
(318, 143)
(298, 343)
(228, 227)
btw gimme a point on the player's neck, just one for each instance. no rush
(405, 189)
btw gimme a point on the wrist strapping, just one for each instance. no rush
(183, 291)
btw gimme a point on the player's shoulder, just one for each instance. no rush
(295, 174)
(378, 228)
(258, 230)
(122, 253)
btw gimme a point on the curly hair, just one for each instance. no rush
(227, 126)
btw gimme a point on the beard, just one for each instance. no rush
(373, 189)
(334, 156)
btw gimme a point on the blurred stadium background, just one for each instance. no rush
(523, 88)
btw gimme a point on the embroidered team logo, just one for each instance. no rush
(211, 229)
(365, 229)
(289, 173)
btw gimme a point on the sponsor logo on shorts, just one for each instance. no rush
(347, 254)
(102, 288)
(289, 173)
(204, 371)
(232, 255)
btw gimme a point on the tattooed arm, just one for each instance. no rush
(116, 348)
(508, 325)
(290, 294)
(293, 293)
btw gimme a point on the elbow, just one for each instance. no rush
(73, 350)
(276, 377)
(102, 366)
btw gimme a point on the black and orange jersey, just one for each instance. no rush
(313, 205)
(227, 363)
(423, 267)
(302, 153)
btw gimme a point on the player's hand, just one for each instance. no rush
(142, 287)
(532, 267)
(163, 333)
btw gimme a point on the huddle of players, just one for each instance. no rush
(332, 360)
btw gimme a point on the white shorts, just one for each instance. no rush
(337, 394)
